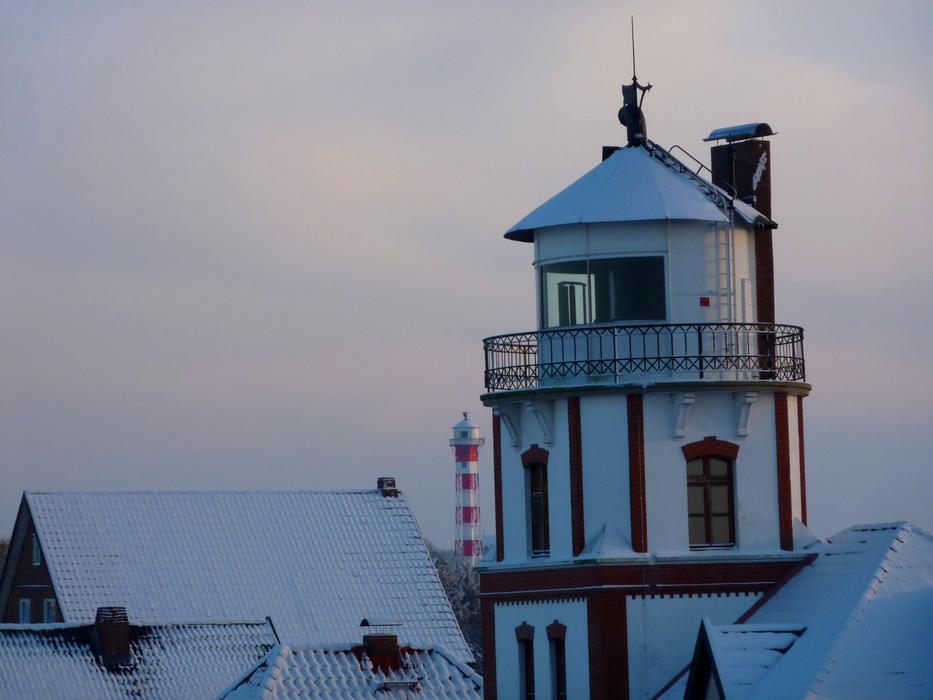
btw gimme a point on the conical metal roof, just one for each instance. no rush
(636, 183)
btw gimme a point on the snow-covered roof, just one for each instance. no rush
(856, 623)
(317, 562)
(340, 673)
(636, 183)
(174, 662)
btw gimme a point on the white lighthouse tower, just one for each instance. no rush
(468, 544)
(648, 455)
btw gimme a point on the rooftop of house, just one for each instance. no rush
(856, 623)
(316, 562)
(345, 672)
(164, 661)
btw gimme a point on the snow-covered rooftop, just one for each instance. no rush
(177, 662)
(317, 562)
(340, 673)
(856, 623)
(636, 183)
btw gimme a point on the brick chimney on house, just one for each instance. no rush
(386, 484)
(380, 644)
(111, 636)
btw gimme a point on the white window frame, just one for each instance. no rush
(25, 611)
(49, 610)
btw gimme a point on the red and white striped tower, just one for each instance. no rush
(468, 543)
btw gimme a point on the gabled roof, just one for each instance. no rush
(288, 673)
(636, 183)
(316, 562)
(862, 614)
(167, 662)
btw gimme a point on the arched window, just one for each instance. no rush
(556, 634)
(711, 492)
(525, 635)
(534, 459)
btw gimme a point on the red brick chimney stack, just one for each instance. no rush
(112, 636)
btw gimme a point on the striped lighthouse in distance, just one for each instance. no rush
(468, 545)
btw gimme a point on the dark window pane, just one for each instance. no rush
(628, 289)
(719, 499)
(695, 500)
(718, 467)
(528, 669)
(720, 530)
(695, 467)
(697, 530)
(559, 669)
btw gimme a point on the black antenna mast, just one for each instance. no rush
(634, 72)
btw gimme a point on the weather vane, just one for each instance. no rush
(631, 116)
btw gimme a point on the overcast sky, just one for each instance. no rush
(257, 245)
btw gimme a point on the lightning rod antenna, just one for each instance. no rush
(634, 72)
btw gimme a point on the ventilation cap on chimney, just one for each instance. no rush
(386, 484)
(740, 132)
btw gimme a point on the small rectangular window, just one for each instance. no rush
(36, 551)
(526, 652)
(540, 525)
(25, 611)
(559, 668)
(710, 508)
(49, 610)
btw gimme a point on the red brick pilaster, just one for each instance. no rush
(607, 633)
(578, 535)
(636, 472)
(803, 470)
(497, 483)
(488, 621)
(785, 510)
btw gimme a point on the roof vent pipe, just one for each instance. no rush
(111, 636)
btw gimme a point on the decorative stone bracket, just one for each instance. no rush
(744, 401)
(682, 404)
(506, 420)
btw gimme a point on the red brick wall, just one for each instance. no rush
(803, 470)
(33, 582)
(785, 509)
(636, 472)
(497, 483)
(578, 534)
(607, 632)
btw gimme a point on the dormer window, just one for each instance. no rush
(608, 290)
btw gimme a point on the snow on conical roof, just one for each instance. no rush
(636, 183)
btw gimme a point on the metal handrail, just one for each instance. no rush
(622, 353)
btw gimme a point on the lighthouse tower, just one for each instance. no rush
(468, 544)
(648, 434)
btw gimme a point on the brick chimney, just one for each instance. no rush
(111, 636)
(386, 484)
(742, 167)
(381, 646)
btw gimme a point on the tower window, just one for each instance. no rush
(710, 502)
(556, 634)
(603, 291)
(525, 635)
(36, 551)
(534, 459)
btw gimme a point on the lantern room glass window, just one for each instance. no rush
(710, 503)
(603, 291)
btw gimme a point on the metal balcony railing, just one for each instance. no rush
(657, 352)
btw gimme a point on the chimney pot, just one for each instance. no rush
(386, 484)
(112, 636)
